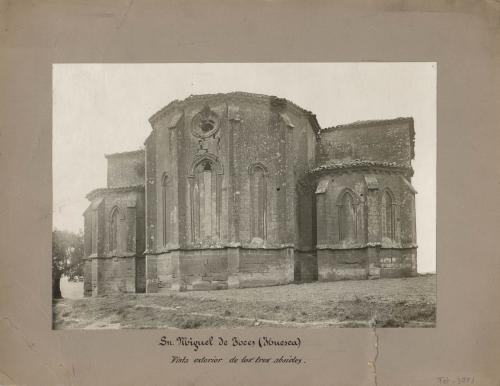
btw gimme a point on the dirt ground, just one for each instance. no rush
(405, 302)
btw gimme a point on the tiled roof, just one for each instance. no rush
(355, 164)
(373, 122)
(99, 191)
(124, 153)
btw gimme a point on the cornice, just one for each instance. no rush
(357, 165)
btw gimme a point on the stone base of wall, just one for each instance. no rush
(165, 272)
(151, 274)
(140, 274)
(263, 267)
(87, 278)
(366, 263)
(342, 264)
(214, 269)
(398, 262)
(103, 276)
(306, 267)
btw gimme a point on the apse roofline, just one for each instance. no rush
(374, 122)
(239, 94)
(101, 191)
(123, 153)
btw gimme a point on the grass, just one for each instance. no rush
(405, 302)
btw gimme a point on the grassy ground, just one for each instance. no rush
(406, 302)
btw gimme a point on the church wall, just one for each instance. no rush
(345, 264)
(140, 223)
(168, 268)
(107, 270)
(95, 276)
(195, 149)
(208, 269)
(245, 161)
(203, 269)
(87, 235)
(265, 267)
(150, 192)
(167, 188)
(151, 269)
(116, 275)
(369, 227)
(340, 259)
(180, 214)
(342, 264)
(171, 162)
(125, 169)
(130, 207)
(304, 154)
(305, 266)
(389, 141)
(306, 236)
(398, 262)
(87, 278)
(408, 216)
(404, 209)
(371, 254)
(328, 217)
(258, 139)
(392, 183)
(398, 258)
(274, 137)
(258, 135)
(140, 274)
(249, 133)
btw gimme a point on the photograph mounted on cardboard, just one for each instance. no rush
(244, 195)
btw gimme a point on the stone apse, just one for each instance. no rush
(243, 190)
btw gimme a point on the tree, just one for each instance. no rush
(67, 253)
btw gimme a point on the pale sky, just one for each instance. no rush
(104, 108)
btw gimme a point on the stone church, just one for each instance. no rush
(243, 190)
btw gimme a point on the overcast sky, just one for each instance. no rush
(104, 108)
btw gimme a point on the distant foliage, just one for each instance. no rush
(67, 254)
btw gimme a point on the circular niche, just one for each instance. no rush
(205, 123)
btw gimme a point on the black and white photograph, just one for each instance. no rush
(236, 195)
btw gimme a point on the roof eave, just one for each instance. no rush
(102, 191)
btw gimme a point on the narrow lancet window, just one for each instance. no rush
(347, 218)
(387, 211)
(164, 208)
(204, 201)
(258, 197)
(113, 230)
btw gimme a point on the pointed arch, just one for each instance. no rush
(258, 200)
(204, 158)
(113, 229)
(347, 205)
(388, 214)
(205, 197)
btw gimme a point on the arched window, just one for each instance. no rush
(347, 215)
(113, 230)
(164, 209)
(387, 212)
(258, 198)
(205, 197)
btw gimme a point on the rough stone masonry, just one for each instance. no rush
(242, 190)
